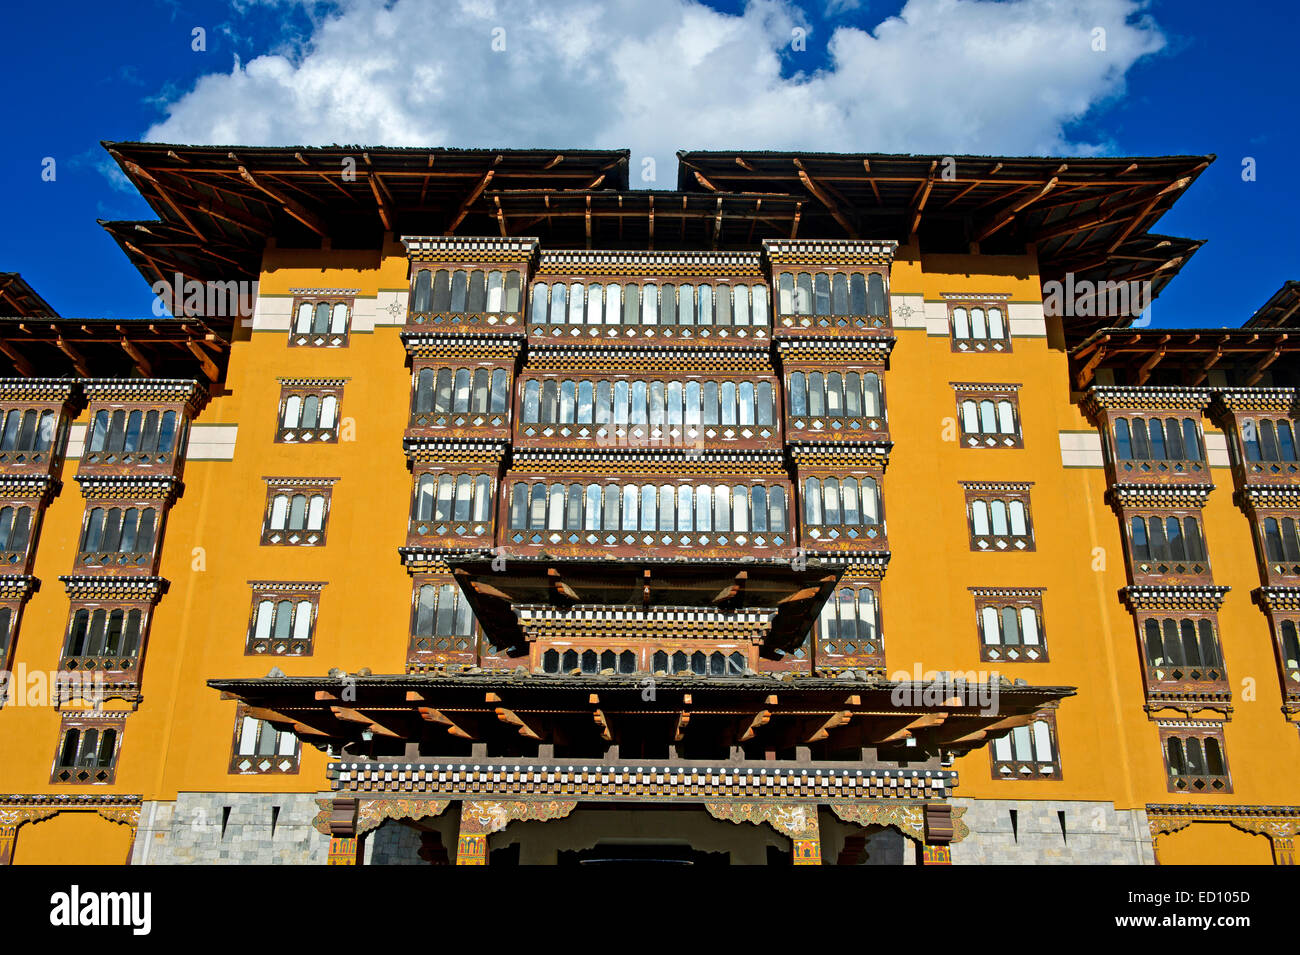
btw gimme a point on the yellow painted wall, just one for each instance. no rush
(73, 838)
(180, 739)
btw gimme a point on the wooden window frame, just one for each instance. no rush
(129, 665)
(68, 775)
(418, 655)
(981, 346)
(1198, 686)
(435, 320)
(831, 321)
(333, 339)
(1019, 598)
(277, 766)
(122, 503)
(988, 492)
(1035, 766)
(478, 533)
(37, 462)
(277, 591)
(809, 426)
(303, 388)
(1176, 571)
(457, 424)
(1190, 729)
(137, 463)
(1288, 676)
(309, 487)
(830, 655)
(984, 440)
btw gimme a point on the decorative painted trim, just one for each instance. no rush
(612, 783)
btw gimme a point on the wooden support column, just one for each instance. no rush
(479, 819)
(345, 843)
(8, 836)
(806, 848)
(939, 831)
(1283, 849)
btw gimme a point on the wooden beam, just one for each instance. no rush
(1000, 219)
(513, 719)
(430, 715)
(603, 723)
(477, 191)
(78, 361)
(759, 720)
(1149, 365)
(820, 194)
(1089, 367)
(21, 364)
(922, 196)
(349, 715)
(1262, 365)
(141, 363)
(205, 362)
(290, 206)
(841, 718)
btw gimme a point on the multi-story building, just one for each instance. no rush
(828, 509)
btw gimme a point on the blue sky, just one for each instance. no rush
(1181, 76)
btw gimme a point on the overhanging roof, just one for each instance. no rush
(1282, 309)
(1182, 356)
(764, 710)
(105, 348)
(19, 298)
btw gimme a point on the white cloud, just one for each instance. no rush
(943, 76)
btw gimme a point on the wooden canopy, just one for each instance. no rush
(19, 298)
(796, 596)
(1186, 356)
(442, 713)
(218, 206)
(104, 348)
(1281, 310)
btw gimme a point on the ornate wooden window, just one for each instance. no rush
(841, 509)
(104, 638)
(832, 395)
(258, 748)
(848, 630)
(979, 324)
(1029, 751)
(108, 630)
(1010, 624)
(467, 290)
(1277, 534)
(1286, 633)
(829, 294)
(120, 533)
(1195, 760)
(1167, 543)
(31, 438)
(460, 396)
(283, 619)
(88, 750)
(441, 619)
(321, 319)
(132, 436)
(452, 505)
(989, 416)
(1181, 651)
(297, 511)
(1268, 442)
(14, 591)
(18, 520)
(309, 410)
(998, 518)
(682, 301)
(673, 514)
(1157, 444)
